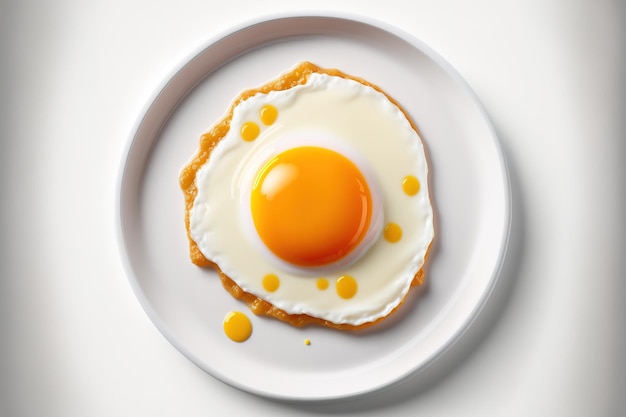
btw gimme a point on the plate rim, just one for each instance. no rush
(212, 42)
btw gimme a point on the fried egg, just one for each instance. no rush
(315, 200)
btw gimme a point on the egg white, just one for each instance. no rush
(363, 125)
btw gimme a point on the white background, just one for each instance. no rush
(74, 340)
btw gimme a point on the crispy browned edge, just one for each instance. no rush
(208, 141)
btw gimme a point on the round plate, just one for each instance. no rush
(468, 182)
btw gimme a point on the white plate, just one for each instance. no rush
(469, 185)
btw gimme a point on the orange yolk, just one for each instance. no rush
(311, 206)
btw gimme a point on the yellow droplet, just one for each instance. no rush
(322, 283)
(250, 131)
(271, 282)
(268, 114)
(410, 185)
(346, 286)
(237, 326)
(392, 233)
(307, 342)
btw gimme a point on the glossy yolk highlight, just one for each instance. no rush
(311, 206)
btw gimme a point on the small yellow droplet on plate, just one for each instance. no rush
(307, 342)
(237, 326)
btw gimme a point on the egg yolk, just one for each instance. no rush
(392, 233)
(250, 131)
(321, 284)
(268, 114)
(410, 185)
(271, 282)
(346, 286)
(311, 206)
